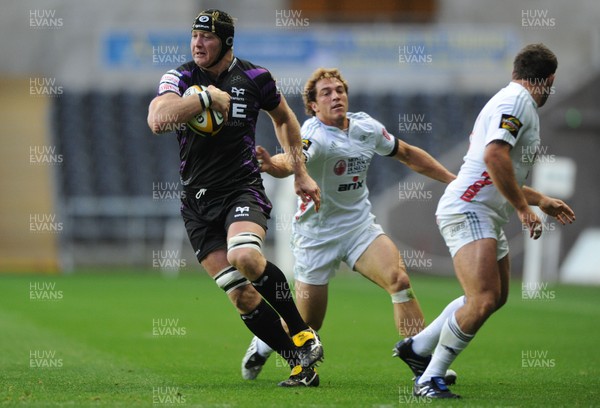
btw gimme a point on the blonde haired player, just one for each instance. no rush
(338, 147)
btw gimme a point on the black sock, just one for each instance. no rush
(274, 287)
(266, 325)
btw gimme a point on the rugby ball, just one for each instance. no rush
(207, 123)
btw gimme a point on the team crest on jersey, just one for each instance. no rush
(238, 91)
(340, 167)
(510, 123)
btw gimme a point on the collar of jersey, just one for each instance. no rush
(222, 74)
(337, 130)
(524, 90)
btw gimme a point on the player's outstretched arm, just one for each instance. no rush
(279, 166)
(287, 130)
(422, 162)
(552, 206)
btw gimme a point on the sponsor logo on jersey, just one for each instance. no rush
(235, 123)
(358, 164)
(170, 78)
(340, 167)
(164, 87)
(510, 123)
(355, 185)
(238, 110)
(306, 144)
(474, 188)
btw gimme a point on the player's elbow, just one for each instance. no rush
(153, 125)
(284, 120)
(281, 125)
(489, 158)
(157, 128)
(156, 125)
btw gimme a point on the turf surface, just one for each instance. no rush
(137, 339)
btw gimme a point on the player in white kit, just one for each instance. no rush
(475, 206)
(338, 147)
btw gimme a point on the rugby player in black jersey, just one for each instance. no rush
(224, 205)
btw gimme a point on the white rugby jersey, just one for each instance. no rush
(338, 162)
(511, 115)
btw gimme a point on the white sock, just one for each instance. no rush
(262, 348)
(452, 341)
(425, 341)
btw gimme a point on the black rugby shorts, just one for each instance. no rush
(208, 217)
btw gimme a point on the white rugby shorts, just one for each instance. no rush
(317, 260)
(461, 229)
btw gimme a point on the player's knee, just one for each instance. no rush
(484, 305)
(395, 280)
(246, 260)
(244, 252)
(398, 281)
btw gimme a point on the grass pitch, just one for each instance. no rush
(131, 339)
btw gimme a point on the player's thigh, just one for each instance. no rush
(477, 269)
(215, 262)
(244, 227)
(380, 263)
(503, 265)
(204, 236)
(246, 224)
(476, 243)
(247, 213)
(311, 301)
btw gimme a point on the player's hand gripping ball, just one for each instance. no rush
(207, 123)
